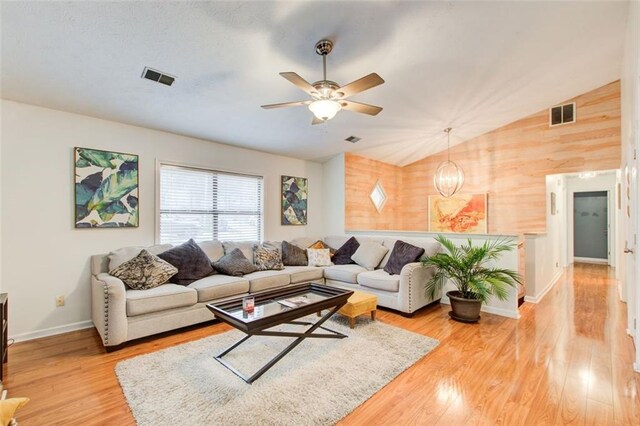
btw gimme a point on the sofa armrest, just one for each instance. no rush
(109, 308)
(413, 281)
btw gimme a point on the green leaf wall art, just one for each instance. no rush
(294, 200)
(106, 194)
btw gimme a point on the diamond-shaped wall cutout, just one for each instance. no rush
(378, 196)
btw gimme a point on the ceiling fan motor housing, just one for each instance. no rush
(324, 47)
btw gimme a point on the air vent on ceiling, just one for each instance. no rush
(562, 114)
(157, 76)
(352, 139)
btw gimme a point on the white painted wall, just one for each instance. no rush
(334, 202)
(630, 145)
(44, 255)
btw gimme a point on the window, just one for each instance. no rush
(209, 205)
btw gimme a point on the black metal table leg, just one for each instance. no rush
(300, 337)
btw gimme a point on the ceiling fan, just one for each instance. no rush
(328, 97)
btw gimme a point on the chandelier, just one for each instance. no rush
(449, 176)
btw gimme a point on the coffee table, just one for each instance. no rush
(270, 312)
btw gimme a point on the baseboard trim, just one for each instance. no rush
(22, 337)
(552, 282)
(490, 309)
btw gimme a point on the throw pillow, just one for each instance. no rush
(319, 257)
(267, 258)
(402, 254)
(192, 262)
(344, 253)
(246, 247)
(235, 264)
(369, 255)
(144, 271)
(321, 245)
(293, 255)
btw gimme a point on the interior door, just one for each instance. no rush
(591, 226)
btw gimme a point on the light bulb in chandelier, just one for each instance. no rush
(449, 177)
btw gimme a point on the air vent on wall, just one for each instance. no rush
(562, 114)
(352, 139)
(157, 76)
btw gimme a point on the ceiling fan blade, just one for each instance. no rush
(360, 85)
(360, 107)
(316, 120)
(286, 104)
(300, 82)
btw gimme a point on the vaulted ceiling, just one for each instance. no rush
(473, 66)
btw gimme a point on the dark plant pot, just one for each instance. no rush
(464, 310)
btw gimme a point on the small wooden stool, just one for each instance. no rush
(359, 303)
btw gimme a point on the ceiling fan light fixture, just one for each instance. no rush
(325, 109)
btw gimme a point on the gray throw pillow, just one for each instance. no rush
(402, 254)
(144, 271)
(293, 255)
(235, 264)
(192, 262)
(369, 255)
(342, 256)
(267, 258)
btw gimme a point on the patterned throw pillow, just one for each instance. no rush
(293, 255)
(144, 271)
(235, 264)
(319, 257)
(267, 258)
(321, 245)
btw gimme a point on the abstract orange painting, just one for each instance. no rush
(460, 213)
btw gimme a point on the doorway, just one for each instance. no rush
(591, 226)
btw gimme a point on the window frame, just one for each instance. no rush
(160, 163)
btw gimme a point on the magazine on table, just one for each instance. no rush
(295, 302)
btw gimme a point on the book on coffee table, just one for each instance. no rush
(295, 302)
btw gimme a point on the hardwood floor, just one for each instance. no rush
(568, 360)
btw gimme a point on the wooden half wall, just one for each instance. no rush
(509, 163)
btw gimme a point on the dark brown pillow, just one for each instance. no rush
(293, 255)
(402, 254)
(192, 262)
(344, 253)
(235, 263)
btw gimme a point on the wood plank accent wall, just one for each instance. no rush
(509, 163)
(361, 175)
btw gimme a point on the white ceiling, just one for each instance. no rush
(471, 65)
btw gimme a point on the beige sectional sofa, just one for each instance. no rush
(121, 314)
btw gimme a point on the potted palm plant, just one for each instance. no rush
(468, 268)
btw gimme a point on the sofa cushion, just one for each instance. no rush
(167, 296)
(303, 242)
(235, 264)
(301, 274)
(145, 271)
(219, 286)
(191, 261)
(267, 258)
(118, 257)
(402, 254)
(369, 254)
(264, 280)
(429, 245)
(380, 280)
(246, 247)
(319, 257)
(344, 273)
(293, 255)
(213, 249)
(343, 255)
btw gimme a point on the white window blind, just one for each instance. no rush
(209, 205)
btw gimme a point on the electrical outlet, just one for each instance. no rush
(59, 301)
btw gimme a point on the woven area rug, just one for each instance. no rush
(318, 383)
